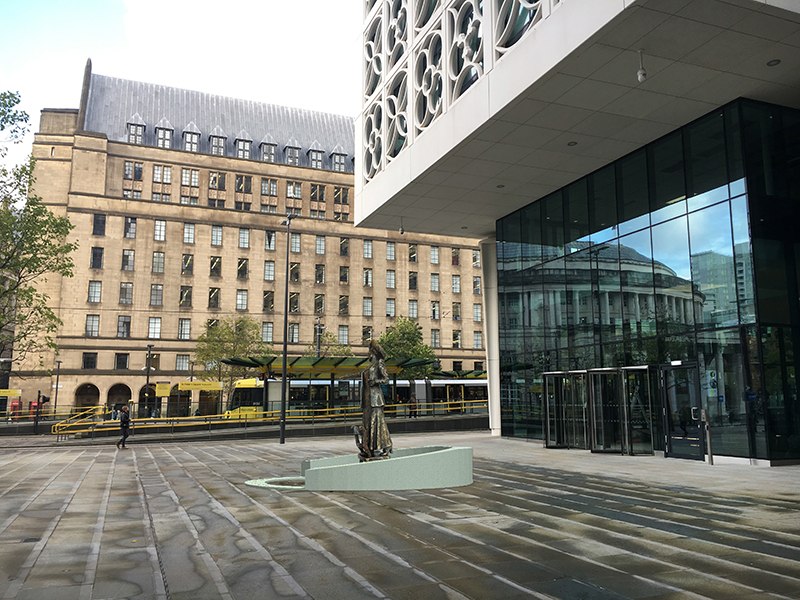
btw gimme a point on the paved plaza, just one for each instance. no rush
(175, 520)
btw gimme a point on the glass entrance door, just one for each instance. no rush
(681, 397)
(606, 411)
(637, 411)
(567, 410)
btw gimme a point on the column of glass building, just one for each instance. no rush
(658, 287)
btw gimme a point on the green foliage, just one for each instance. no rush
(404, 340)
(329, 347)
(232, 337)
(12, 120)
(32, 246)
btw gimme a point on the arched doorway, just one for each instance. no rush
(179, 403)
(118, 396)
(208, 403)
(86, 396)
(149, 408)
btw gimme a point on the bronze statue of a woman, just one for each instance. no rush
(376, 441)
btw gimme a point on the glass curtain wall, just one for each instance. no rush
(650, 261)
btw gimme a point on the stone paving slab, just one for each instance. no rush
(176, 521)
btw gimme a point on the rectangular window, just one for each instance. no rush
(477, 313)
(320, 244)
(292, 156)
(241, 299)
(163, 138)
(268, 152)
(294, 302)
(344, 275)
(215, 266)
(123, 326)
(216, 235)
(217, 145)
(156, 294)
(191, 141)
(96, 261)
(133, 170)
(344, 305)
(121, 361)
(269, 270)
(457, 365)
(216, 180)
(130, 227)
(266, 332)
(412, 280)
(344, 335)
(319, 274)
(269, 243)
(434, 255)
(184, 329)
(317, 192)
(244, 237)
(188, 233)
(244, 184)
(455, 256)
(339, 162)
(213, 297)
(344, 246)
(456, 338)
(390, 250)
(127, 172)
(390, 307)
(477, 340)
(315, 156)
(187, 264)
(390, 279)
(190, 177)
(89, 360)
(476, 259)
(294, 245)
(319, 304)
(367, 307)
(366, 334)
(95, 288)
(476, 285)
(126, 292)
(127, 260)
(268, 301)
(367, 277)
(294, 272)
(456, 311)
(98, 224)
(135, 133)
(412, 253)
(294, 333)
(92, 325)
(243, 268)
(185, 297)
(435, 339)
(434, 282)
(160, 231)
(269, 187)
(340, 195)
(367, 248)
(181, 362)
(294, 189)
(137, 195)
(154, 328)
(456, 284)
(434, 309)
(242, 149)
(413, 309)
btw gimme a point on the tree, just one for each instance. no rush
(32, 246)
(403, 340)
(329, 347)
(231, 337)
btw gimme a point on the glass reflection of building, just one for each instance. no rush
(683, 254)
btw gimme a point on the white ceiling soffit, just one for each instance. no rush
(590, 109)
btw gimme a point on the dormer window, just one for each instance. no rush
(339, 162)
(135, 134)
(242, 149)
(268, 152)
(191, 138)
(292, 156)
(164, 138)
(315, 156)
(217, 145)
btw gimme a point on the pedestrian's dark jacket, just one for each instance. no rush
(124, 420)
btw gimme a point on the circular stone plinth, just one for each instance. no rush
(279, 483)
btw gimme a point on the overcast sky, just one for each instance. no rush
(300, 53)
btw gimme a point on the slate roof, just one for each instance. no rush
(112, 101)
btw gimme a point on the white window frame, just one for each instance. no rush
(154, 328)
(160, 231)
(269, 270)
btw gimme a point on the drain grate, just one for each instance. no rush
(27, 540)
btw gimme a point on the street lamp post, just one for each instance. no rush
(55, 399)
(288, 223)
(147, 384)
(319, 336)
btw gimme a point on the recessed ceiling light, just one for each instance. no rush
(572, 143)
(500, 186)
(774, 62)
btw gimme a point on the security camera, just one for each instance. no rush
(641, 75)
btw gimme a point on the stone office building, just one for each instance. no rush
(177, 198)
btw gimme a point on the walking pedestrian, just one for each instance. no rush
(124, 425)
